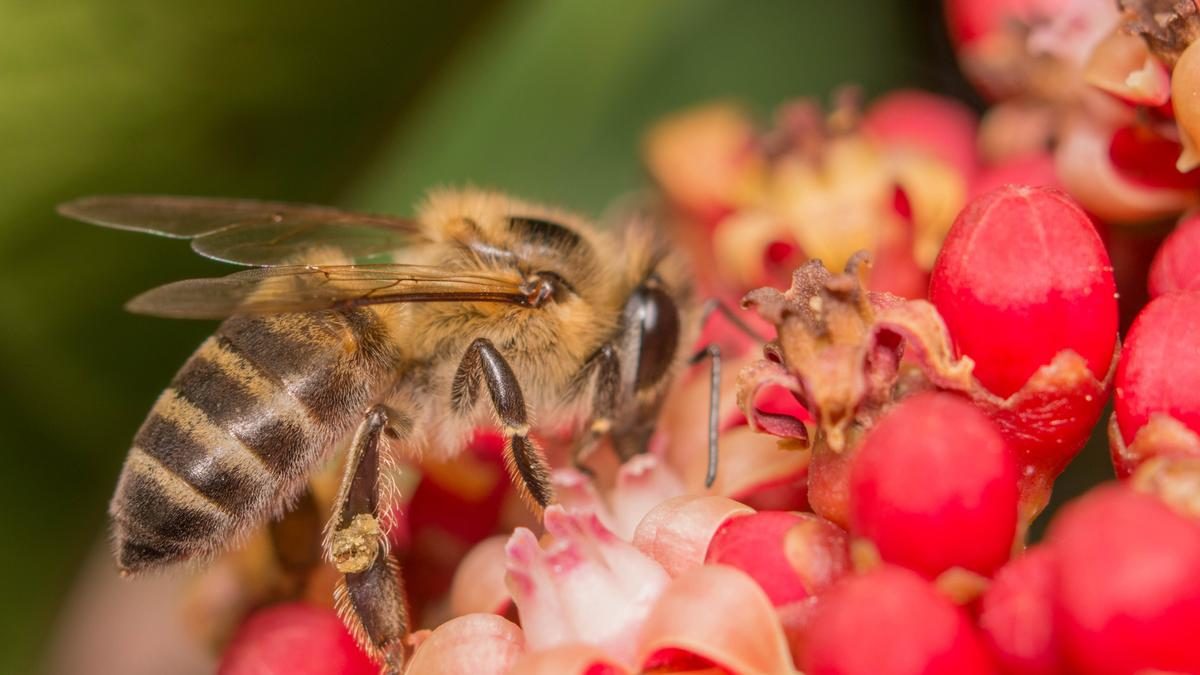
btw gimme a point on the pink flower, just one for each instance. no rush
(584, 585)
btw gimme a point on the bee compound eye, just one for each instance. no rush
(659, 317)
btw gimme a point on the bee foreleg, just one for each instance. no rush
(371, 597)
(605, 367)
(522, 457)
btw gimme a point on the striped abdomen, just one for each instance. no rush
(235, 435)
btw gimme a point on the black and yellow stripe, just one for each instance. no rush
(240, 427)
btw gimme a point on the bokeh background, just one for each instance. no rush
(363, 104)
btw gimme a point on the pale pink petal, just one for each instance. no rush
(642, 483)
(676, 532)
(719, 614)
(586, 585)
(1071, 29)
(573, 659)
(752, 462)
(478, 585)
(577, 492)
(475, 644)
(1123, 66)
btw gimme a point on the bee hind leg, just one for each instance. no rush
(483, 363)
(370, 598)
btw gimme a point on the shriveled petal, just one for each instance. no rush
(676, 533)
(719, 614)
(1162, 436)
(478, 585)
(1174, 480)
(586, 585)
(475, 644)
(572, 659)
(1123, 66)
(1048, 421)
(758, 379)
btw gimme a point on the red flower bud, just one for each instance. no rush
(1176, 266)
(1128, 595)
(934, 486)
(1157, 407)
(1023, 276)
(891, 622)
(1159, 365)
(1016, 615)
(791, 555)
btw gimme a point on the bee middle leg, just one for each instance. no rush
(371, 598)
(605, 367)
(524, 460)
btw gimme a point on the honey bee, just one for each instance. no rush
(402, 335)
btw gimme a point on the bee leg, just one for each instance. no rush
(526, 466)
(713, 353)
(371, 597)
(296, 540)
(606, 366)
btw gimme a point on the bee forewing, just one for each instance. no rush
(310, 288)
(248, 232)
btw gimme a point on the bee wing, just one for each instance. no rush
(247, 232)
(305, 288)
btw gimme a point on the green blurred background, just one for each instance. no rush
(361, 104)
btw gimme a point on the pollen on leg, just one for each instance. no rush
(355, 547)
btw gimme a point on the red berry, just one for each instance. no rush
(1160, 366)
(1016, 615)
(1128, 592)
(790, 555)
(935, 486)
(1022, 276)
(294, 639)
(1176, 266)
(891, 622)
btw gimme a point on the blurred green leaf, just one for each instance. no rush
(551, 104)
